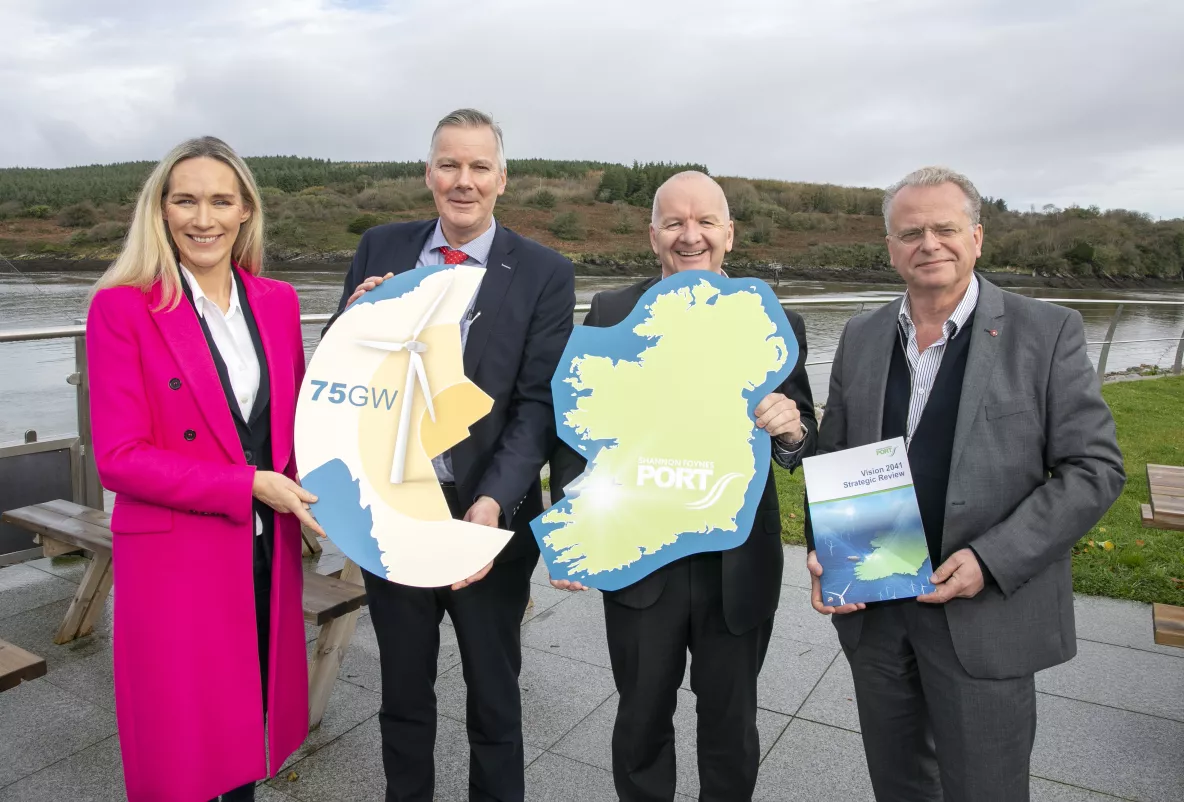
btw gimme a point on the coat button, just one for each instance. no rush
(249, 456)
(190, 435)
(175, 384)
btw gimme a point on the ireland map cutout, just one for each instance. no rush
(662, 407)
(384, 393)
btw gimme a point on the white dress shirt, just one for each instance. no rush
(477, 251)
(923, 366)
(232, 338)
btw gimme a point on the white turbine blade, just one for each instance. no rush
(432, 309)
(382, 346)
(417, 363)
(404, 432)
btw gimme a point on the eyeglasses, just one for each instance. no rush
(914, 235)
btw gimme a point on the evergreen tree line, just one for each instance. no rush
(30, 188)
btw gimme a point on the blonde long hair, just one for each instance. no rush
(149, 253)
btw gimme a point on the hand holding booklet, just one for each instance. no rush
(868, 534)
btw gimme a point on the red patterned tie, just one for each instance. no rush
(452, 256)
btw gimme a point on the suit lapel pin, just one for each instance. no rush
(994, 332)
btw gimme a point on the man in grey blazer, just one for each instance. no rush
(1014, 458)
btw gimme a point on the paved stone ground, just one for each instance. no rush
(1111, 720)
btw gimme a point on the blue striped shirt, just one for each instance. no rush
(923, 367)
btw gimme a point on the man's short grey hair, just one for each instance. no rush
(680, 176)
(934, 177)
(470, 118)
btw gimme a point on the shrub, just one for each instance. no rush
(762, 231)
(363, 223)
(384, 199)
(9, 209)
(568, 225)
(78, 215)
(109, 231)
(624, 224)
(38, 212)
(543, 199)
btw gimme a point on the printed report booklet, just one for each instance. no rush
(868, 534)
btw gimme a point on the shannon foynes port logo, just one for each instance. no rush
(886, 450)
(684, 474)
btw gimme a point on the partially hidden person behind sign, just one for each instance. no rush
(512, 338)
(719, 605)
(195, 361)
(1013, 456)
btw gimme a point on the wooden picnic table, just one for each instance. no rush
(331, 603)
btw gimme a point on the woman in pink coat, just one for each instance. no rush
(195, 364)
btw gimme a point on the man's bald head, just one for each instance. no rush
(690, 228)
(694, 181)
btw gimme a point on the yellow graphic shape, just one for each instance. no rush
(456, 407)
(655, 407)
(419, 495)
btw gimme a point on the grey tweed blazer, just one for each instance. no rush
(1035, 465)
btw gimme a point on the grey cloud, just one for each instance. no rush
(1038, 102)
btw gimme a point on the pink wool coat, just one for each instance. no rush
(187, 687)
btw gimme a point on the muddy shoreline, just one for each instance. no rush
(594, 265)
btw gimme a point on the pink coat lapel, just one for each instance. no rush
(268, 317)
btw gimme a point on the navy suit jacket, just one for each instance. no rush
(525, 305)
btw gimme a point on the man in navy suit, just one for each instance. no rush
(512, 338)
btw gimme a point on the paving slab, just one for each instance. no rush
(574, 628)
(797, 620)
(349, 706)
(350, 768)
(70, 567)
(94, 774)
(812, 761)
(34, 630)
(591, 741)
(1128, 755)
(545, 598)
(1119, 623)
(43, 724)
(1119, 676)
(552, 778)
(557, 693)
(795, 572)
(791, 671)
(23, 588)
(90, 678)
(1048, 791)
(832, 701)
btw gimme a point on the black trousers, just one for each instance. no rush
(648, 651)
(262, 565)
(487, 617)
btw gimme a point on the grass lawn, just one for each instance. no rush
(1124, 561)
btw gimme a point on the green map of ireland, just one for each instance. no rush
(662, 406)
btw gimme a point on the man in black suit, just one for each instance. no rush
(512, 338)
(719, 605)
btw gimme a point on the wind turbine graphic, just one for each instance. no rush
(832, 594)
(414, 349)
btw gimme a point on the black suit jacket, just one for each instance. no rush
(752, 570)
(525, 306)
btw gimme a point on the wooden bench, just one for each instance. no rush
(331, 603)
(1166, 485)
(1168, 623)
(17, 666)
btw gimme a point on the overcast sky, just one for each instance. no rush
(1038, 101)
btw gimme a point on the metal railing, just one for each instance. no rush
(91, 491)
